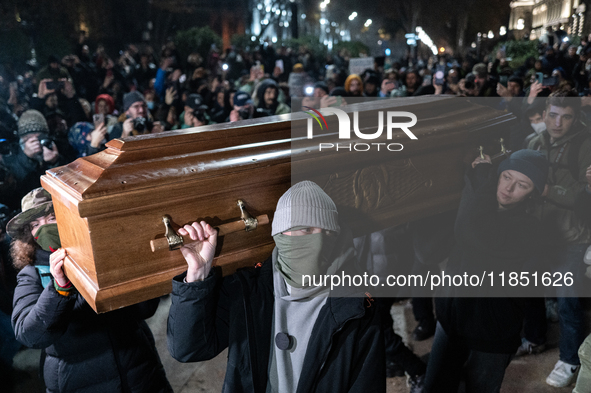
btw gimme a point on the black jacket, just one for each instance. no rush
(345, 352)
(84, 351)
(583, 205)
(27, 174)
(487, 238)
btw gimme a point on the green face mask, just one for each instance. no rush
(303, 255)
(48, 237)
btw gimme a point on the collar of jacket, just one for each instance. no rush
(571, 134)
(42, 257)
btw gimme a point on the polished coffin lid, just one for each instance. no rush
(110, 205)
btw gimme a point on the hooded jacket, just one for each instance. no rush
(345, 352)
(83, 351)
(278, 108)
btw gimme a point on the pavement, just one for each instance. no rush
(524, 375)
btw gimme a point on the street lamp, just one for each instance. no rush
(353, 16)
(367, 23)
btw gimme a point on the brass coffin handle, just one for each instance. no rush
(173, 241)
(481, 150)
(504, 152)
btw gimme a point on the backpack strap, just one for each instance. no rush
(44, 274)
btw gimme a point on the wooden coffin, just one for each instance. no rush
(110, 205)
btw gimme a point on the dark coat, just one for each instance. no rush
(506, 241)
(84, 351)
(27, 173)
(583, 205)
(345, 352)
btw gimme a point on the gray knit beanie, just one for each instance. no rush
(32, 121)
(531, 163)
(131, 98)
(305, 204)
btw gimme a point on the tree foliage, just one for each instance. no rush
(310, 42)
(519, 51)
(197, 39)
(355, 48)
(243, 41)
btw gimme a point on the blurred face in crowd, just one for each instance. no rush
(355, 87)
(138, 109)
(572, 51)
(319, 93)
(191, 119)
(536, 119)
(150, 96)
(270, 96)
(411, 79)
(102, 107)
(370, 88)
(57, 125)
(30, 145)
(558, 121)
(513, 187)
(556, 74)
(70, 61)
(86, 106)
(220, 98)
(514, 88)
(392, 76)
(39, 222)
(479, 80)
(452, 77)
(176, 74)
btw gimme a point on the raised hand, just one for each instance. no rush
(56, 267)
(199, 254)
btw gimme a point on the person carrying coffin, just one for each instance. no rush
(281, 335)
(494, 231)
(82, 351)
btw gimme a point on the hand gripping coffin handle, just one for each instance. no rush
(174, 241)
(504, 152)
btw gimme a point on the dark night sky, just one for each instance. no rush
(438, 18)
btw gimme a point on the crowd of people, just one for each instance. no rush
(71, 107)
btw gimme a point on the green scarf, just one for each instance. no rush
(48, 237)
(303, 255)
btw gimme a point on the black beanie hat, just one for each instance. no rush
(131, 98)
(531, 163)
